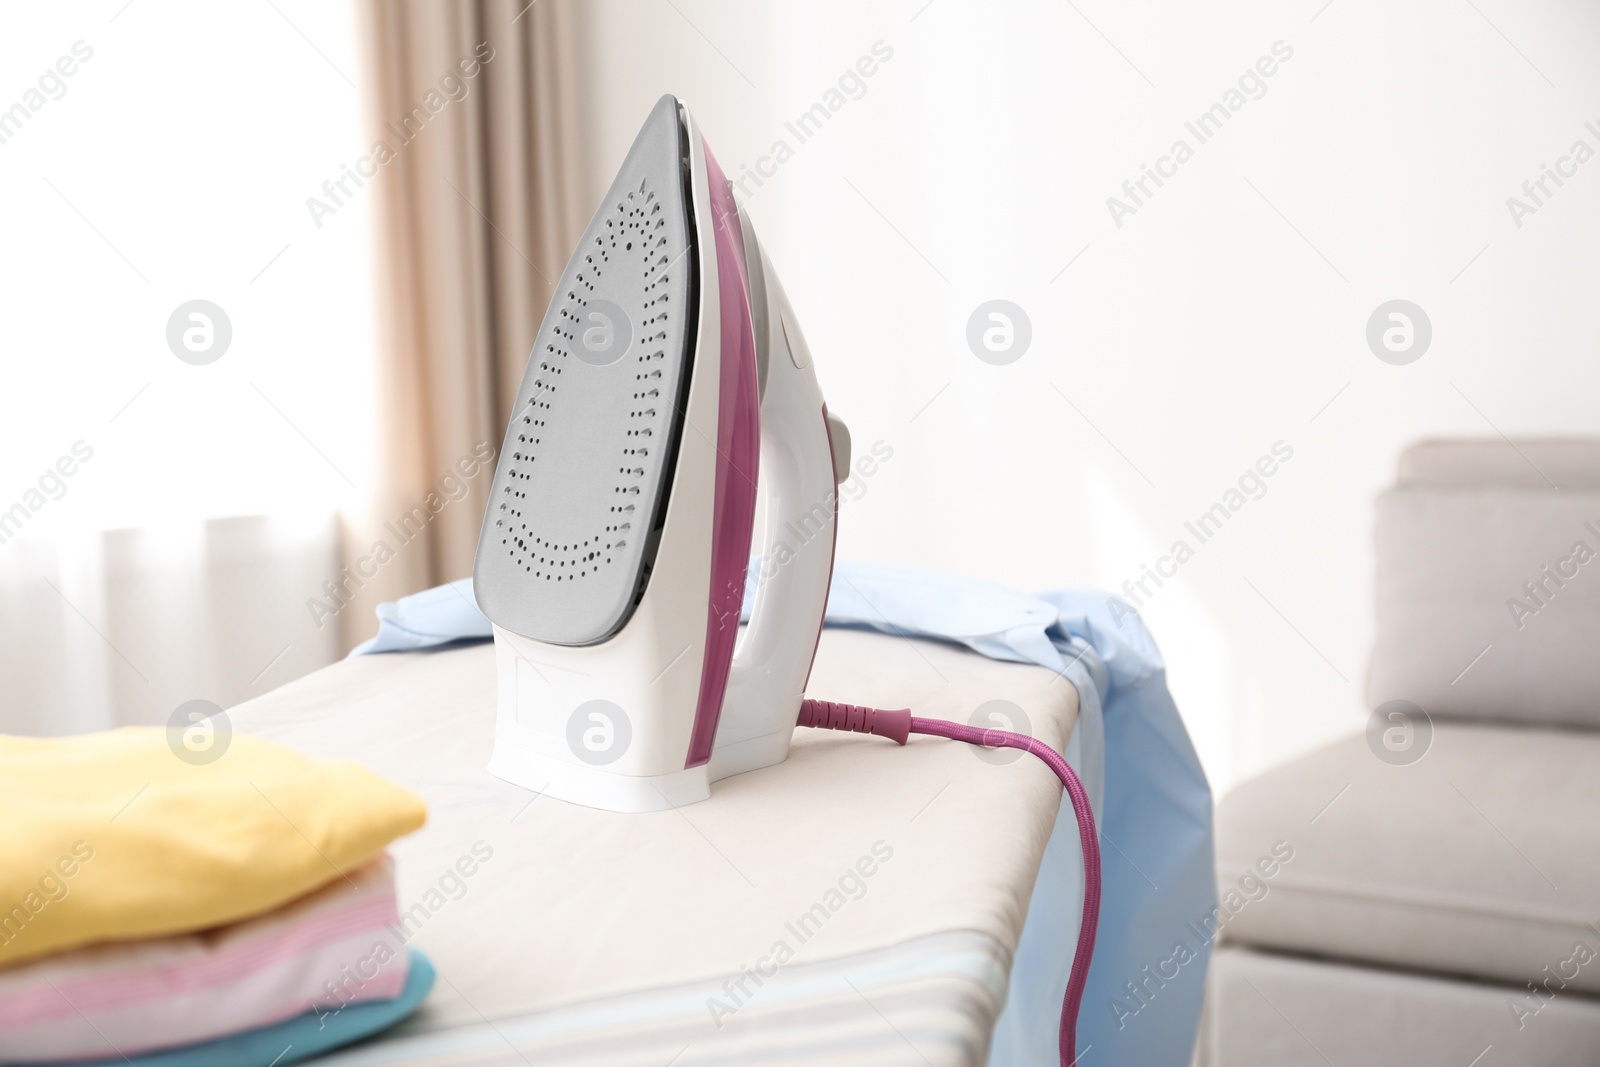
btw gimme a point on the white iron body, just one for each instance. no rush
(652, 667)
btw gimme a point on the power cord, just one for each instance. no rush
(898, 725)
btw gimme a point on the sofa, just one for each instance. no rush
(1428, 891)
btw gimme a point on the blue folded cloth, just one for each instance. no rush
(432, 617)
(296, 1039)
(987, 618)
(1159, 881)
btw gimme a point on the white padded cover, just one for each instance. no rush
(597, 939)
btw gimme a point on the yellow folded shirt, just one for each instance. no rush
(111, 836)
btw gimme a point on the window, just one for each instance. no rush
(152, 155)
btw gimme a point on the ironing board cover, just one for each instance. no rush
(858, 897)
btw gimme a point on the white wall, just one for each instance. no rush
(1227, 314)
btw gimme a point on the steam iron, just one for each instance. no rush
(612, 560)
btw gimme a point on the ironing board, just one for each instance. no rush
(860, 903)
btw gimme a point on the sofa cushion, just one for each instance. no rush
(1566, 464)
(1481, 858)
(1265, 1010)
(1488, 587)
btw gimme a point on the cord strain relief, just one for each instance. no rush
(832, 715)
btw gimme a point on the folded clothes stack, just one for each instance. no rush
(165, 912)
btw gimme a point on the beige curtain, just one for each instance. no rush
(474, 121)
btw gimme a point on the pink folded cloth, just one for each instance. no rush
(339, 945)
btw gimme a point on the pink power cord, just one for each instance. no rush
(898, 725)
